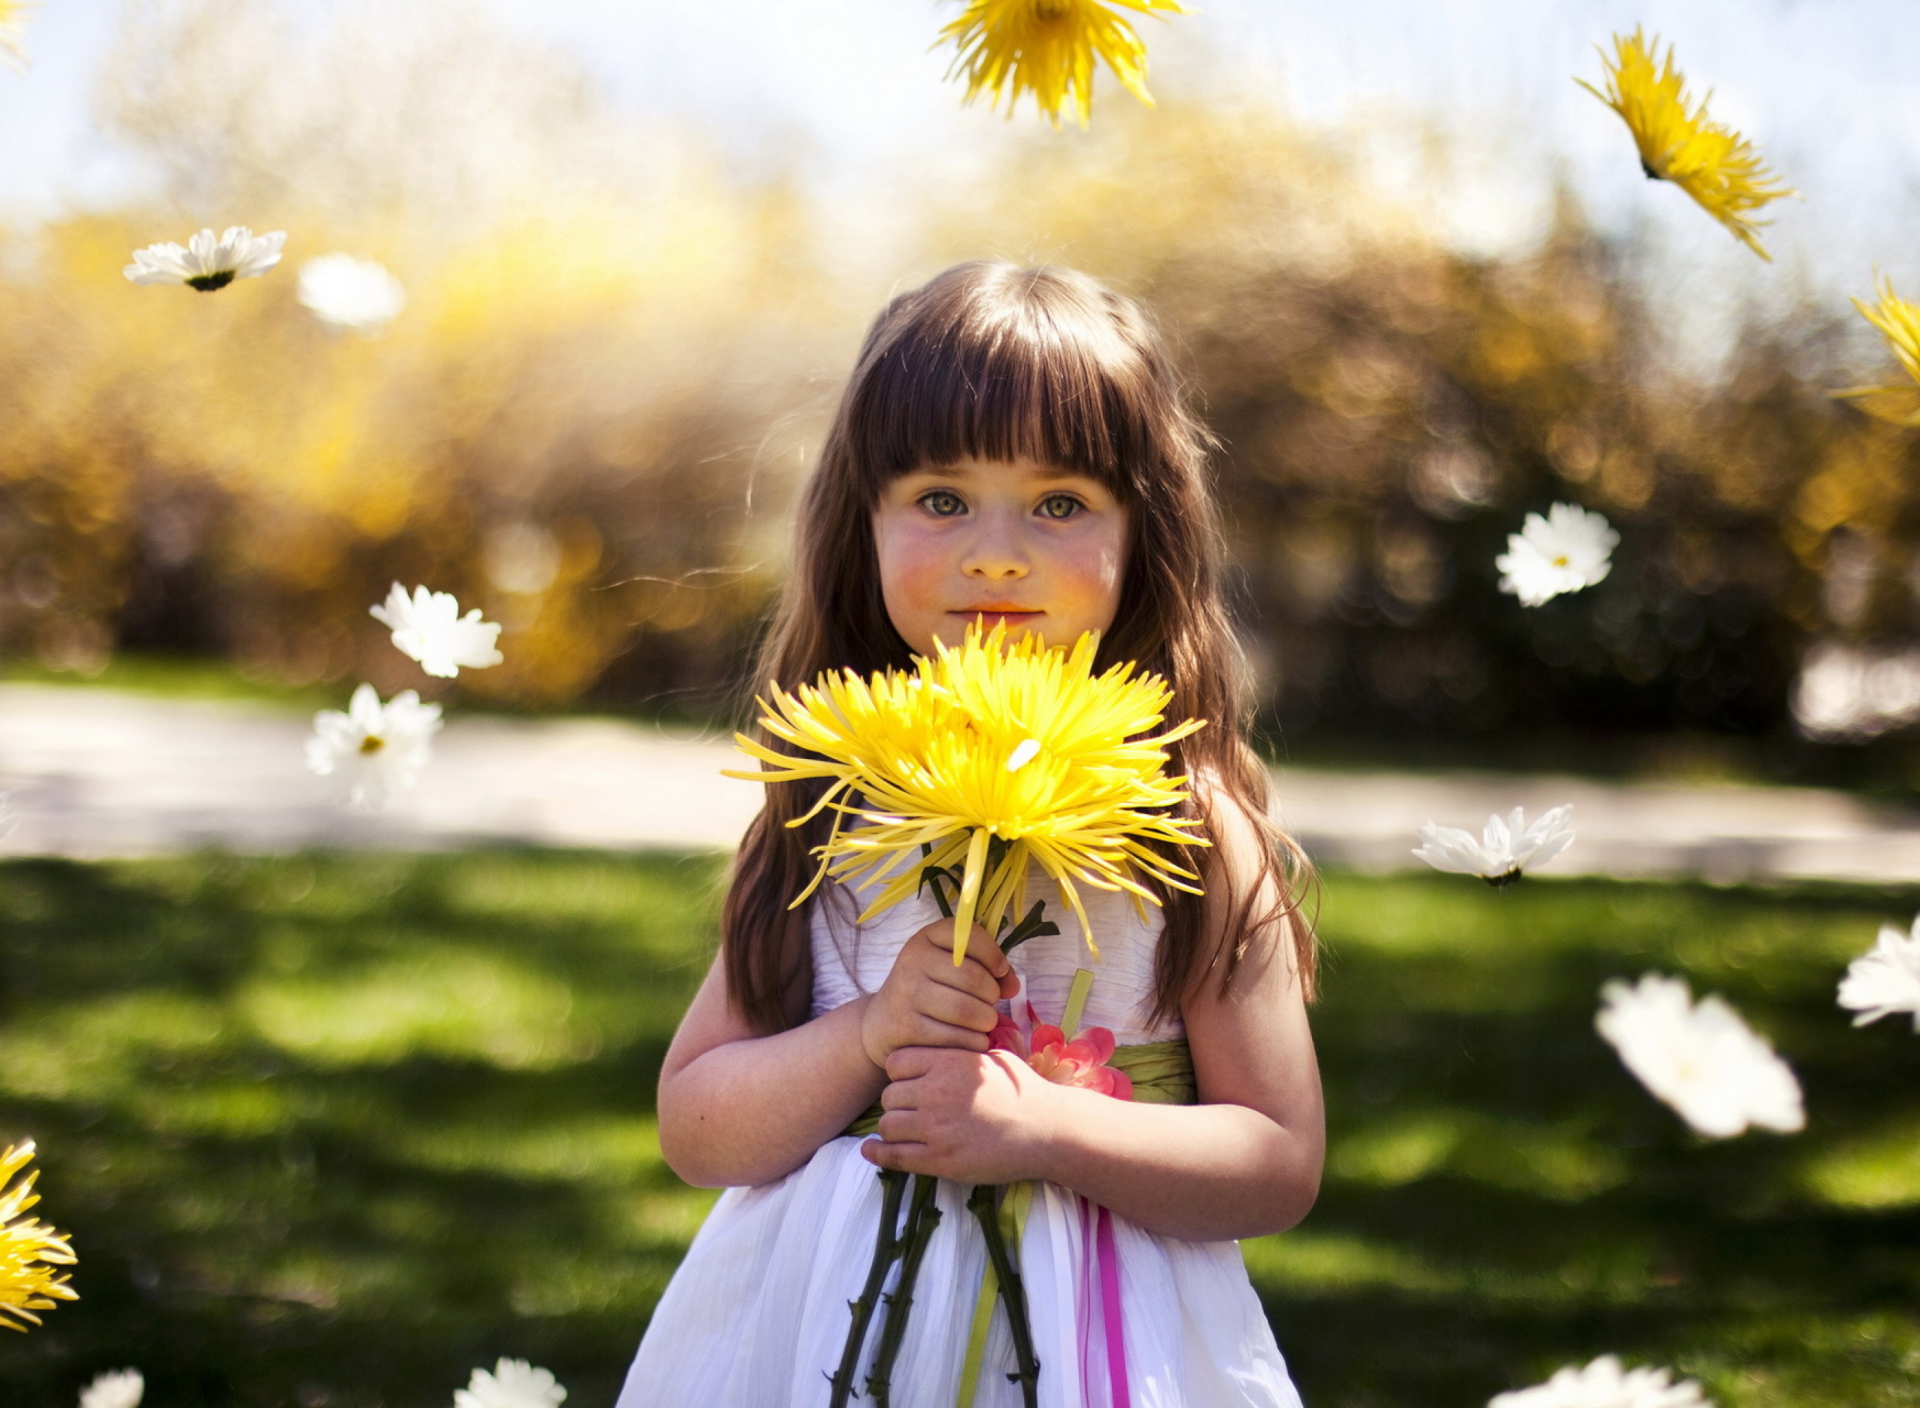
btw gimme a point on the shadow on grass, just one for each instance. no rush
(330, 1131)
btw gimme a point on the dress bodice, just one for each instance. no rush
(850, 959)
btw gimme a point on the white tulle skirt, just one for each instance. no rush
(757, 1314)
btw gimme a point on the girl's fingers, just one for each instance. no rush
(970, 978)
(980, 947)
(929, 1032)
(900, 1126)
(907, 1158)
(957, 1009)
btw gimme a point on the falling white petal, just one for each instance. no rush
(1567, 550)
(1885, 980)
(1023, 754)
(428, 627)
(514, 1383)
(208, 263)
(1605, 1384)
(1506, 848)
(374, 749)
(1703, 1060)
(122, 1388)
(345, 292)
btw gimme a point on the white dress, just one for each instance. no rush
(757, 1314)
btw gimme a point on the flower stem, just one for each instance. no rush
(922, 1218)
(886, 1249)
(984, 1203)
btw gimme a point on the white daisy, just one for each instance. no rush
(514, 1383)
(1604, 1384)
(1882, 981)
(208, 263)
(375, 749)
(1702, 1060)
(120, 1389)
(1505, 849)
(428, 627)
(1568, 549)
(345, 292)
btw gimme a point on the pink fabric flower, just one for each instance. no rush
(1081, 1062)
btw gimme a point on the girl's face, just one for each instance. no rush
(1040, 547)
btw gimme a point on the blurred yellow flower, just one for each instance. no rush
(1899, 322)
(13, 32)
(1708, 160)
(1047, 48)
(995, 757)
(28, 1248)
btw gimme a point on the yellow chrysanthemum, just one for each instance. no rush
(1899, 322)
(996, 758)
(13, 33)
(1708, 160)
(1047, 48)
(28, 1248)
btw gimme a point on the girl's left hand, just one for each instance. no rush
(970, 1116)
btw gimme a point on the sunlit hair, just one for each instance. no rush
(993, 362)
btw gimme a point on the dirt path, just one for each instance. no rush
(96, 773)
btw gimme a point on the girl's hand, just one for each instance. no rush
(975, 1118)
(927, 1001)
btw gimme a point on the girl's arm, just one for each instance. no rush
(1244, 1162)
(739, 1107)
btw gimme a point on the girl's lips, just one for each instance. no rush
(993, 618)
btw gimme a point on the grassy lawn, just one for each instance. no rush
(331, 1130)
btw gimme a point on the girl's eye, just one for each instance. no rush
(1060, 506)
(942, 503)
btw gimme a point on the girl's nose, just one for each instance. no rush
(994, 551)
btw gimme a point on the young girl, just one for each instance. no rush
(1011, 447)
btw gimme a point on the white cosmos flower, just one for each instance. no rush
(1702, 1060)
(514, 1383)
(1604, 1384)
(1880, 982)
(1505, 848)
(428, 627)
(120, 1389)
(375, 749)
(208, 263)
(345, 292)
(1568, 549)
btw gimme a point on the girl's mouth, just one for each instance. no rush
(988, 619)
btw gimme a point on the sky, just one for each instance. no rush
(846, 95)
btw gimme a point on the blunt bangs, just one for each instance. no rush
(993, 362)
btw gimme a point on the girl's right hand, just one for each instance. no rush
(928, 1001)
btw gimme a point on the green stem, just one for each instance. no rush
(886, 1249)
(984, 1203)
(922, 1218)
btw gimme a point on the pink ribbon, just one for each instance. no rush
(1096, 1236)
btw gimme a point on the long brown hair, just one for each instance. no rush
(990, 361)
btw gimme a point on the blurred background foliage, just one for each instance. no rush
(620, 351)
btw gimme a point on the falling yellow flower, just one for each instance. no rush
(1047, 48)
(989, 758)
(28, 1248)
(1708, 160)
(1899, 322)
(13, 33)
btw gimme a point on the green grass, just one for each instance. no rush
(331, 1130)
